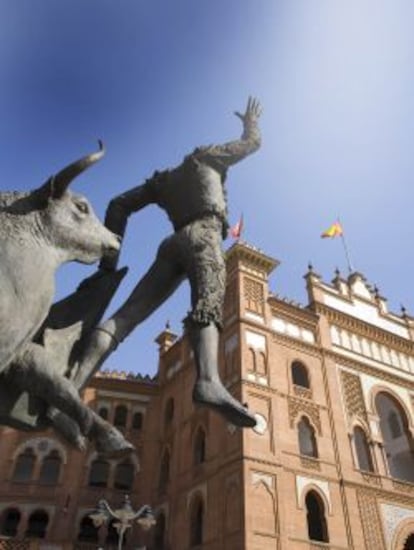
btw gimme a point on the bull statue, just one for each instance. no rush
(39, 231)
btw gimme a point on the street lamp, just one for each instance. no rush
(125, 516)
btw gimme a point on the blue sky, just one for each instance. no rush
(155, 79)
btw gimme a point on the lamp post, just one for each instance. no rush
(125, 517)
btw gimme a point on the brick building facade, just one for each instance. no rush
(330, 463)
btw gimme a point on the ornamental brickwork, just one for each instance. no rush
(370, 519)
(354, 398)
(306, 477)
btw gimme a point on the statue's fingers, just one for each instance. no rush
(249, 104)
(258, 108)
(238, 115)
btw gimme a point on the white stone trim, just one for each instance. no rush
(260, 477)
(123, 395)
(292, 329)
(366, 312)
(254, 317)
(392, 516)
(261, 424)
(307, 483)
(255, 340)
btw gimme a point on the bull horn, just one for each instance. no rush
(60, 182)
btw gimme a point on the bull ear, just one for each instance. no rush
(57, 185)
(62, 180)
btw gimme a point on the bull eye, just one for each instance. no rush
(82, 207)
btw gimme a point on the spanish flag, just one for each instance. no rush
(334, 231)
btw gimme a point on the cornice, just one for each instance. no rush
(363, 328)
(382, 493)
(367, 369)
(262, 388)
(262, 461)
(295, 343)
(293, 312)
(313, 474)
(251, 255)
(126, 386)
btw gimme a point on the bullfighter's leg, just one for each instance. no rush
(207, 273)
(33, 373)
(208, 388)
(154, 288)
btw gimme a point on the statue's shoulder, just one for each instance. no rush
(200, 155)
(202, 151)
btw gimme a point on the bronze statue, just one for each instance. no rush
(194, 197)
(40, 230)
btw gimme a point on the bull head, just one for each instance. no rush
(56, 185)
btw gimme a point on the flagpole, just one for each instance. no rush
(348, 258)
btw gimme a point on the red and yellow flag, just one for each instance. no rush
(237, 229)
(334, 231)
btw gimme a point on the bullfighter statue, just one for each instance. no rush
(193, 195)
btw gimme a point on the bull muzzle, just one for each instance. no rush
(111, 250)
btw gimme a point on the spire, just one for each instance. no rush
(165, 339)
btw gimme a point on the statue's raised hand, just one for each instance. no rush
(253, 112)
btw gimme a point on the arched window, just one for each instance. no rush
(121, 415)
(50, 469)
(315, 516)
(124, 476)
(196, 523)
(362, 450)
(164, 473)
(199, 447)
(137, 421)
(409, 543)
(87, 531)
(103, 412)
(394, 425)
(398, 442)
(251, 360)
(37, 524)
(24, 466)
(300, 375)
(307, 440)
(98, 474)
(261, 364)
(10, 522)
(159, 532)
(169, 412)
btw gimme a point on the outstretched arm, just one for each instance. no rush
(119, 210)
(223, 156)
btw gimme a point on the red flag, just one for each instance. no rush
(237, 229)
